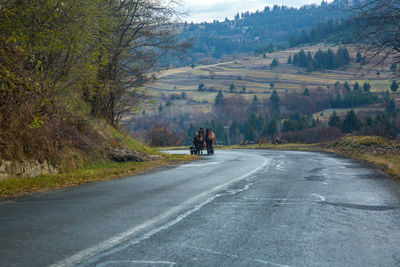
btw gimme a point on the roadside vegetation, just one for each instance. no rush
(93, 166)
(69, 71)
(13, 187)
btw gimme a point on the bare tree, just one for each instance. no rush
(141, 32)
(378, 34)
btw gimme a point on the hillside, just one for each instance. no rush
(65, 85)
(243, 88)
(251, 33)
(255, 75)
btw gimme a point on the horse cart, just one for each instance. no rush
(202, 141)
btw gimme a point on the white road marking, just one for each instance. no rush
(291, 203)
(322, 198)
(279, 166)
(199, 165)
(104, 264)
(114, 241)
(271, 263)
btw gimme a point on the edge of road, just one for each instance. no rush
(172, 216)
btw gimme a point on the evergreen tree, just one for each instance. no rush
(351, 122)
(391, 107)
(232, 87)
(243, 89)
(255, 100)
(274, 64)
(276, 104)
(306, 92)
(356, 87)
(289, 61)
(366, 87)
(347, 87)
(272, 128)
(201, 87)
(394, 86)
(219, 99)
(234, 133)
(359, 57)
(334, 120)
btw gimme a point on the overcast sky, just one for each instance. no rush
(208, 10)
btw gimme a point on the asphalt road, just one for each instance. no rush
(237, 208)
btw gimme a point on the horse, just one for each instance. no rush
(198, 142)
(210, 140)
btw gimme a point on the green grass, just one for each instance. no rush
(13, 187)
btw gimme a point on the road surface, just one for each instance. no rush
(236, 208)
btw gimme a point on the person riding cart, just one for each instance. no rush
(210, 140)
(198, 142)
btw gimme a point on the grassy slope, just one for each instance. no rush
(254, 73)
(94, 168)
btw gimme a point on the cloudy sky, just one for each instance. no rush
(208, 10)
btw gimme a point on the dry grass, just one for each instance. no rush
(92, 166)
(254, 73)
(14, 187)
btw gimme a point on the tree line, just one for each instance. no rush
(321, 60)
(62, 61)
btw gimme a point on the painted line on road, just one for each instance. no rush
(169, 263)
(114, 241)
(199, 165)
(322, 198)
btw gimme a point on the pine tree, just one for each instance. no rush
(274, 64)
(306, 92)
(219, 99)
(356, 87)
(232, 87)
(358, 57)
(394, 86)
(391, 107)
(276, 103)
(289, 61)
(201, 87)
(243, 89)
(351, 122)
(347, 87)
(255, 99)
(366, 87)
(272, 127)
(334, 120)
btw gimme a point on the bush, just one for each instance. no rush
(163, 135)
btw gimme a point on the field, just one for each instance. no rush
(255, 75)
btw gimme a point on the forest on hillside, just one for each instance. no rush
(253, 33)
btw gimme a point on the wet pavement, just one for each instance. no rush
(237, 208)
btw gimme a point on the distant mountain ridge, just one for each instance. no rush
(255, 33)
